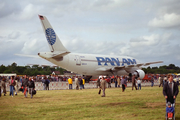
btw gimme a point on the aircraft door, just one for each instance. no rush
(78, 60)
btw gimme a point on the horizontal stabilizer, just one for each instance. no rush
(59, 54)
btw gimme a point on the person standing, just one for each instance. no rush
(12, 83)
(170, 90)
(83, 82)
(165, 80)
(31, 86)
(115, 80)
(177, 80)
(124, 83)
(161, 81)
(118, 81)
(25, 85)
(103, 86)
(47, 83)
(3, 85)
(16, 86)
(77, 83)
(134, 82)
(44, 84)
(70, 82)
(109, 82)
(99, 84)
(139, 83)
(152, 80)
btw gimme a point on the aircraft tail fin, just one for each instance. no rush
(53, 40)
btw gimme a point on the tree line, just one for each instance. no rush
(171, 68)
(29, 70)
(47, 70)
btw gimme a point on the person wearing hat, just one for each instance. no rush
(170, 89)
(169, 108)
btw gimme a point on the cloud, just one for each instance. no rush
(8, 7)
(145, 41)
(166, 21)
(152, 46)
(93, 47)
(28, 12)
(14, 35)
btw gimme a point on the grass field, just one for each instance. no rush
(87, 104)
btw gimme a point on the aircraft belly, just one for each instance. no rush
(122, 72)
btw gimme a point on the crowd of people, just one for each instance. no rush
(27, 85)
(120, 81)
(79, 82)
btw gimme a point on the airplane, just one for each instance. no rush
(88, 65)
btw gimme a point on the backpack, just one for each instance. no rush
(34, 92)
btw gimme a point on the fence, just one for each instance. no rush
(90, 85)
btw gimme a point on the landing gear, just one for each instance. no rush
(87, 78)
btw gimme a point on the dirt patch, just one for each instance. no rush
(113, 104)
(119, 103)
(155, 105)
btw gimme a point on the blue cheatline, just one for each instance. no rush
(51, 36)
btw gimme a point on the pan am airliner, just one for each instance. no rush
(89, 65)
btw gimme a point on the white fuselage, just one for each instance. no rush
(88, 64)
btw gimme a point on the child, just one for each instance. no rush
(169, 110)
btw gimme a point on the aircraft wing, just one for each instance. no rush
(47, 65)
(32, 56)
(139, 64)
(103, 69)
(152, 63)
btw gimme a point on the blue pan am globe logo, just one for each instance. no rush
(51, 36)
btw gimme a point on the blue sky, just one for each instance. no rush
(147, 30)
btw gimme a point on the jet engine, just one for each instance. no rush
(139, 73)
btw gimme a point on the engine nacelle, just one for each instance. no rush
(139, 73)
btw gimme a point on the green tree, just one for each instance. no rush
(2, 68)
